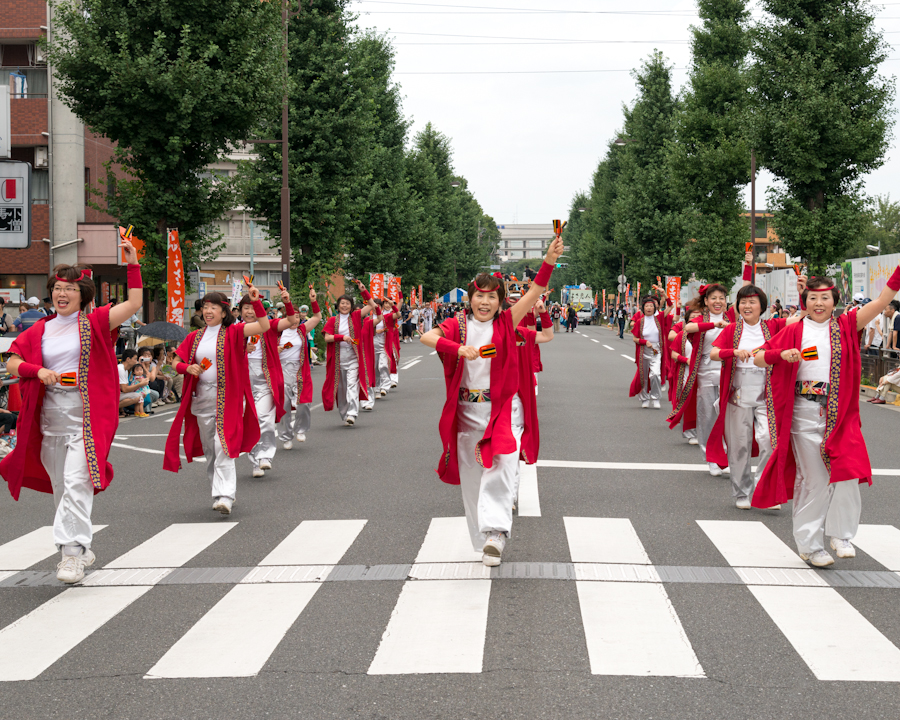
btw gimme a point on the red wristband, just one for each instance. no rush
(447, 346)
(748, 273)
(773, 357)
(706, 326)
(289, 309)
(28, 370)
(259, 309)
(181, 368)
(894, 282)
(545, 319)
(684, 359)
(642, 341)
(315, 307)
(543, 276)
(339, 338)
(135, 282)
(726, 354)
(365, 294)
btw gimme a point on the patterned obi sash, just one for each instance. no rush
(813, 390)
(474, 395)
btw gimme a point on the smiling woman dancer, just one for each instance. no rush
(218, 424)
(681, 352)
(820, 457)
(651, 338)
(483, 418)
(298, 387)
(386, 354)
(345, 374)
(66, 364)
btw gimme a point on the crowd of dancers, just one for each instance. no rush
(784, 391)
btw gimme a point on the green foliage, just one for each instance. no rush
(173, 84)
(882, 228)
(821, 119)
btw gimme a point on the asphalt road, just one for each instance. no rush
(535, 649)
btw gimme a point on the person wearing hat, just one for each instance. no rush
(30, 316)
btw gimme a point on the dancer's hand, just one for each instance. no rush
(252, 292)
(554, 251)
(129, 252)
(743, 354)
(721, 324)
(48, 377)
(791, 355)
(312, 294)
(748, 258)
(467, 352)
(194, 370)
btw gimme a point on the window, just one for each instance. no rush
(535, 244)
(25, 82)
(40, 187)
(761, 228)
(87, 186)
(12, 281)
(110, 188)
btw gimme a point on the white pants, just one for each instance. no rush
(219, 467)
(265, 412)
(745, 419)
(488, 494)
(820, 506)
(651, 363)
(707, 399)
(290, 424)
(348, 388)
(382, 364)
(62, 455)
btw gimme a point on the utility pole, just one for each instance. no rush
(753, 212)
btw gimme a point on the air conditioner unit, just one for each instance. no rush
(41, 157)
(40, 55)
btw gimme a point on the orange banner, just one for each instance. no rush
(673, 290)
(376, 285)
(137, 242)
(175, 278)
(394, 290)
(420, 295)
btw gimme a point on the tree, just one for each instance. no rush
(174, 84)
(882, 229)
(647, 212)
(821, 119)
(710, 157)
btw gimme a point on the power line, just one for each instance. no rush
(554, 42)
(493, 10)
(517, 72)
(503, 37)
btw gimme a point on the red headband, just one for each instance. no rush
(703, 289)
(78, 279)
(497, 275)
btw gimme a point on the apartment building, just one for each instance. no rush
(524, 241)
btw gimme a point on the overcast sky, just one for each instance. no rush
(527, 139)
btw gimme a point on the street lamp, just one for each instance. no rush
(874, 248)
(622, 141)
(581, 209)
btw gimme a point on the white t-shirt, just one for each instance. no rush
(818, 335)
(343, 323)
(207, 349)
(477, 373)
(60, 344)
(257, 353)
(292, 336)
(751, 338)
(414, 317)
(649, 331)
(876, 326)
(123, 375)
(711, 335)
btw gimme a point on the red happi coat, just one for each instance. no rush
(333, 360)
(304, 375)
(392, 341)
(98, 385)
(529, 321)
(498, 438)
(730, 339)
(677, 344)
(272, 369)
(663, 323)
(368, 337)
(526, 345)
(843, 448)
(237, 424)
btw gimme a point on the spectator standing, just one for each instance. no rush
(621, 317)
(31, 315)
(891, 327)
(872, 336)
(555, 312)
(197, 321)
(137, 376)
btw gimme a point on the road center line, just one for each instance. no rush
(609, 348)
(627, 357)
(676, 467)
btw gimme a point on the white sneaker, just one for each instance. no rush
(265, 464)
(257, 473)
(493, 546)
(645, 404)
(654, 404)
(71, 569)
(843, 548)
(819, 558)
(742, 503)
(384, 393)
(223, 504)
(287, 445)
(714, 470)
(301, 437)
(393, 385)
(693, 441)
(490, 560)
(349, 421)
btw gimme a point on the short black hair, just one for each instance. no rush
(129, 353)
(753, 291)
(198, 305)
(895, 304)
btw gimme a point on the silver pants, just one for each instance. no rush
(265, 412)
(707, 399)
(62, 455)
(820, 506)
(290, 423)
(382, 364)
(745, 419)
(219, 467)
(651, 367)
(348, 388)
(488, 494)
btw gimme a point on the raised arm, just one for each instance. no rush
(537, 288)
(316, 317)
(288, 321)
(124, 310)
(747, 275)
(262, 324)
(367, 298)
(546, 333)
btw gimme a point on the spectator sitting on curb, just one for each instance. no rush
(137, 375)
(129, 397)
(888, 383)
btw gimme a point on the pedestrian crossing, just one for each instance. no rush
(440, 622)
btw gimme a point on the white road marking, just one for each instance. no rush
(37, 640)
(316, 542)
(832, 637)
(882, 542)
(437, 626)
(132, 435)
(632, 629)
(316, 407)
(174, 546)
(750, 543)
(447, 540)
(149, 451)
(408, 366)
(529, 504)
(239, 634)
(674, 467)
(604, 540)
(31, 548)
(627, 357)
(433, 352)
(609, 348)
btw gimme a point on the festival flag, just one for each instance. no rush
(376, 285)
(638, 290)
(421, 297)
(126, 234)
(673, 290)
(394, 290)
(175, 281)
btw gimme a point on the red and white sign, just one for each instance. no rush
(376, 285)
(673, 290)
(175, 306)
(15, 205)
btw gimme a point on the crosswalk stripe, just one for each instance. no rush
(632, 629)
(237, 636)
(529, 504)
(750, 544)
(37, 640)
(447, 540)
(882, 542)
(604, 540)
(316, 542)
(832, 637)
(438, 626)
(172, 547)
(31, 548)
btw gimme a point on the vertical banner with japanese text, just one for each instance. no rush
(673, 290)
(394, 290)
(376, 285)
(421, 297)
(175, 306)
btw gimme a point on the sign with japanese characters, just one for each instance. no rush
(15, 204)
